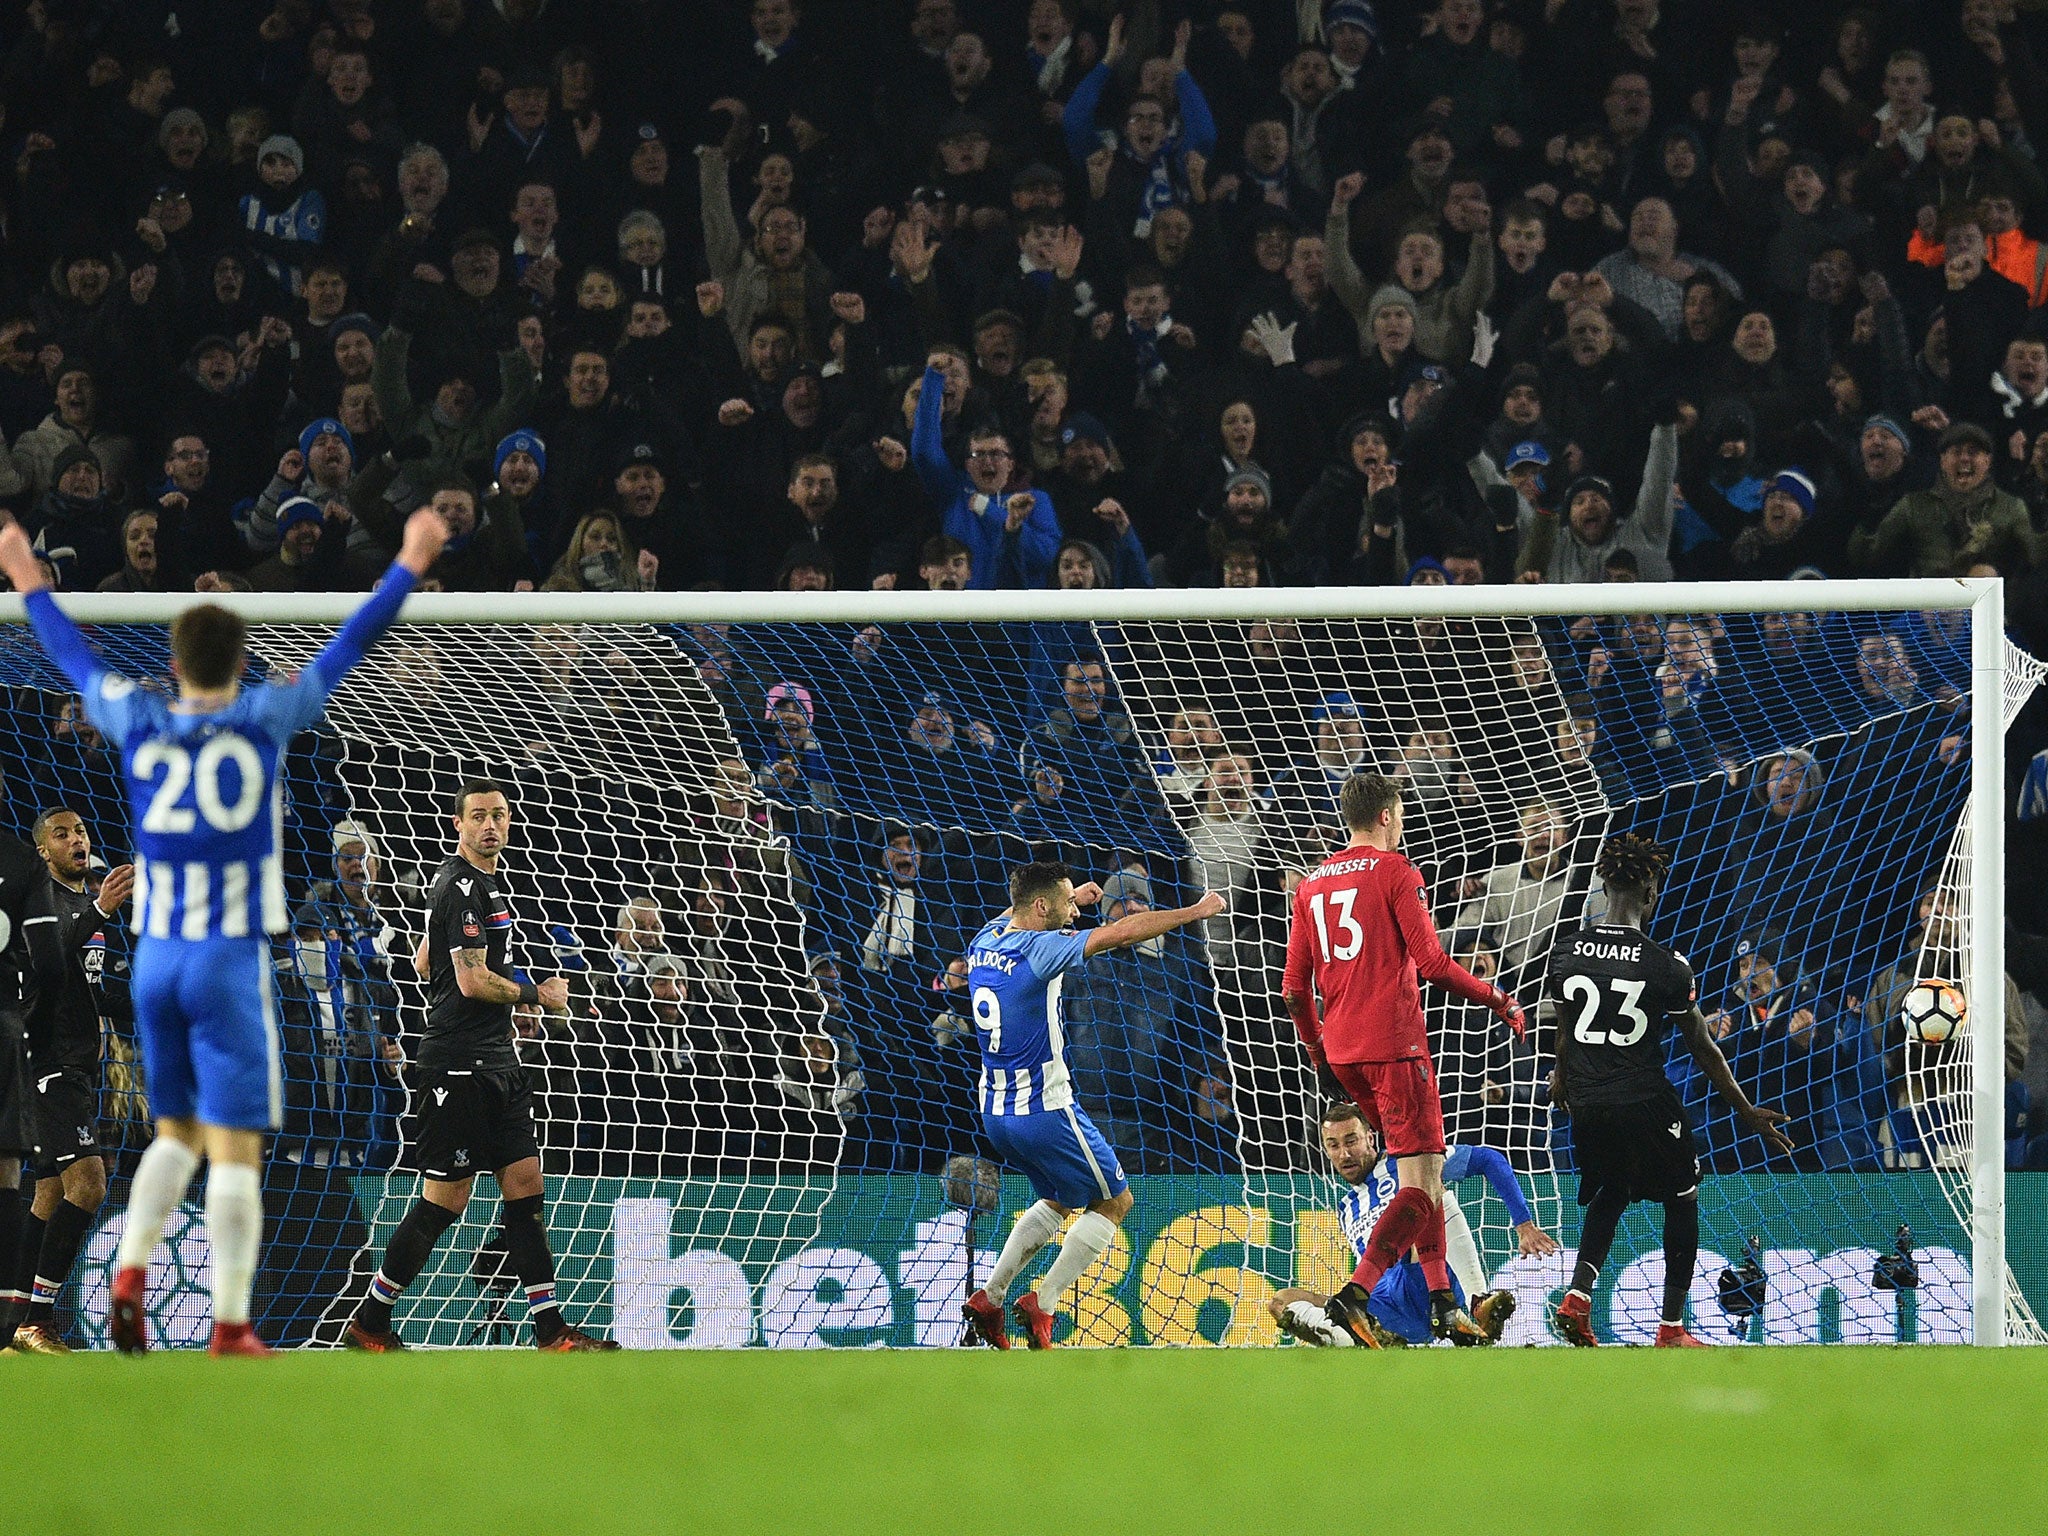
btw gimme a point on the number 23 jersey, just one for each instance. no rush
(1617, 994)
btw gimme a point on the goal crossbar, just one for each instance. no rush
(1221, 604)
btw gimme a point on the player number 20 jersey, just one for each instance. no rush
(1014, 978)
(206, 803)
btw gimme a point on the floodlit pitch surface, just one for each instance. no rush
(1286, 1440)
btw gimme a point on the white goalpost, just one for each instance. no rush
(755, 828)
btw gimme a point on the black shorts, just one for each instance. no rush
(17, 1137)
(64, 1110)
(473, 1120)
(1644, 1151)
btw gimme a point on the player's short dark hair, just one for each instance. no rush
(1364, 796)
(42, 822)
(209, 644)
(1339, 1110)
(476, 787)
(1632, 862)
(1040, 878)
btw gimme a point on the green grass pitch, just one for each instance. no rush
(1291, 1441)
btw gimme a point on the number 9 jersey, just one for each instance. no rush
(1617, 994)
(206, 802)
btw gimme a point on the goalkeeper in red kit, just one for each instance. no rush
(1361, 937)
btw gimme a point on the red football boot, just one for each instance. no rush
(1036, 1320)
(1573, 1320)
(127, 1322)
(985, 1318)
(1674, 1336)
(237, 1339)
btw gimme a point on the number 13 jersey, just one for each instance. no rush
(1617, 994)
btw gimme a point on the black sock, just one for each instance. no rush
(410, 1248)
(1681, 1251)
(11, 1207)
(26, 1257)
(63, 1235)
(526, 1238)
(1596, 1237)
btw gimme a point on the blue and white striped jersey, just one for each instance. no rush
(1014, 976)
(1359, 1210)
(205, 794)
(206, 801)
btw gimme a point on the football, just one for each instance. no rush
(1933, 1011)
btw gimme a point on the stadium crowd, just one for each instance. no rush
(1065, 294)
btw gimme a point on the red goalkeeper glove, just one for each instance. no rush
(1509, 1012)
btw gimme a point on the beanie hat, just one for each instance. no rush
(283, 144)
(1795, 484)
(1426, 564)
(1527, 453)
(1353, 13)
(325, 426)
(1965, 432)
(295, 511)
(74, 454)
(1886, 423)
(355, 320)
(1126, 885)
(525, 442)
(1390, 295)
(1586, 483)
(1250, 476)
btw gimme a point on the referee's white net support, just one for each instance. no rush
(740, 1127)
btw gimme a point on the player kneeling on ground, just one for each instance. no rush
(1398, 1313)
(1015, 968)
(1617, 993)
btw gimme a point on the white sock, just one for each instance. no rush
(1087, 1240)
(1460, 1251)
(234, 1228)
(161, 1179)
(1034, 1229)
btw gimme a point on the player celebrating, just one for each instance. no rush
(1400, 1302)
(1015, 969)
(1616, 992)
(66, 951)
(206, 800)
(475, 1104)
(1362, 936)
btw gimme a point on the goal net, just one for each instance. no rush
(757, 833)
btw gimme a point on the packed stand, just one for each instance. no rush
(961, 295)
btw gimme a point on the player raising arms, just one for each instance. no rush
(1400, 1302)
(1360, 937)
(475, 1103)
(1015, 969)
(1616, 992)
(206, 801)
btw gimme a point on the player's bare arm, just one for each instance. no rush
(1767, 1123)
(475, 979)
(426, 535)
(1137, 927)
(18, 561)
(422, 962)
